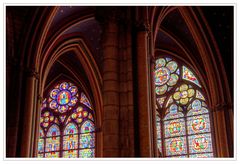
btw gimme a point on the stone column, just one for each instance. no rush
(110, 89)
(28, 119)
(143, 91)
(219, 122)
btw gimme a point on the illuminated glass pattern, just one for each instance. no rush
(166, 75)
(174, 128)
(175, 146)
(181, 103)
(87, 153)
(67, 127)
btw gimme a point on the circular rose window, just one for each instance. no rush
(63, 97)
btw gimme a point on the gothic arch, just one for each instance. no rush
(213, 73)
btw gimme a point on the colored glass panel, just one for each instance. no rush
(63, 97)
(87, 127)
(199, 95)
(85, 100)
(205, 155)
(161, 90)
(64, 85)
(173, 113)
(53, 131)
(70, 154)
(73, 90)
(52, 144)
(196, 109)
(172, 66)
(70, 129)
(160, 63)
(173, 80)
(53, 93)
(200, 143)
(159, 145)
(40, 145)
(87, 140)
(174, 128)
(182, 156)
(40, 155)
(175, 146)
(162, 75)
(86, 153)
(52, 155)
(161, 101)
(198, 124)
(189, 76)
(70, 142)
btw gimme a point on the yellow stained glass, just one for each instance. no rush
(183, 87)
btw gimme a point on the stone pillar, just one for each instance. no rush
(28, 119)
(153, 108)
(219, 127)
(130, 106)
(143, 92)
(110, 90)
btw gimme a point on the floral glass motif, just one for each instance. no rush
(198, 124)
(175, 146)
(182, 105)
(183, 94)
(174, 128)
(63, 111)
(166, 75)
(200, 143)
(63, 97)
(46, 119)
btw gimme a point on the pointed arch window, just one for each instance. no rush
(182, 121)
(67, 125)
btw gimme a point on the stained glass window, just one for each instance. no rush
(181, 102)
(67, 127)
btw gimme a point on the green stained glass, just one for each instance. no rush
(86, 153)
(173, 80)
(172, 66)
(160, 63)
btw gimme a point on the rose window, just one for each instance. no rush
(166, 75)
(63, 97)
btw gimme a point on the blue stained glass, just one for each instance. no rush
(87, 127)
(53, 131)
(70, 129)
